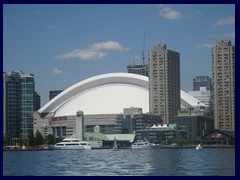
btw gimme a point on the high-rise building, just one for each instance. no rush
(54, 93)
(141, 69)
(18, 104)
(202, 81)
(11, 105)
(164, 83)
(223, 74)
(27, 103)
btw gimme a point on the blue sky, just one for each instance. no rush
(64, 44)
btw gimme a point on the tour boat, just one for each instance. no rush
(71, 143)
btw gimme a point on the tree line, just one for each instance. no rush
(32, 140)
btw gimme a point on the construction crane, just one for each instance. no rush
(143, 56)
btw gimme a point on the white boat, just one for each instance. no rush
(143, 145)
(199, 147)
(71, 143)
(115, 146)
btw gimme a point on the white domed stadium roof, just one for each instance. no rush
(106, 94)
(103, 94)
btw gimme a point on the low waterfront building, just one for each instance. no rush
(194, 126)
(219, 138)
(160, 133)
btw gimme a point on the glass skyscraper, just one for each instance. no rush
(18, 104)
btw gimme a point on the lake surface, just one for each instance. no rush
(125, 162)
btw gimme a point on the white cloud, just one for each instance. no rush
(93, 52)
(87, 54)
(169, 13)
(109, 45)
(57, 71)
(205, 45)
(225, 21)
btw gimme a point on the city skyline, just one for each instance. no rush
(64, 44)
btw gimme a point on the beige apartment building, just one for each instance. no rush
(164, 83)
(223, 64)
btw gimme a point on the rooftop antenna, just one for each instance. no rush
(143, 56)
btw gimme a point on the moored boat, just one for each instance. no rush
(71, 143)
(143, 145)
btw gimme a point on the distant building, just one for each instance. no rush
(141, 69)
(134, 120)
(164, 83)
(202, 81)
(54, 93)
(203, 95)
(18, 104)
(223, 63)
(37, 101)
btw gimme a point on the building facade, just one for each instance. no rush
(194, 127)
(141, 69)
(54, 93)
(18, 103)
(37, 101)
(133, 121)
(160, 134)
(164, 83)
(11, 105)
(202, 81)
(223, 65)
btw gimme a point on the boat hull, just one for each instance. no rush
(70, 147)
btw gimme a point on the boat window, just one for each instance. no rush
(72, 144)
(83, 144)
(75, 140)
(66, 141)
(60, 145)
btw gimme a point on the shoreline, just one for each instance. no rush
(99, 148)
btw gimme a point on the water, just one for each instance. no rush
(125, 162)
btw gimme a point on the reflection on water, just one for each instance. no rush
(130, 162)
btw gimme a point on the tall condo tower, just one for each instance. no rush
(223, 65)
(18, 104)
(164, 83)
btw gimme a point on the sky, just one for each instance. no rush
(64, 44)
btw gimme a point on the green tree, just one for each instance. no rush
(6, 141)
(31, 139)
(20, 141)
(50, 139)
(25, 141)
(39, 140)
